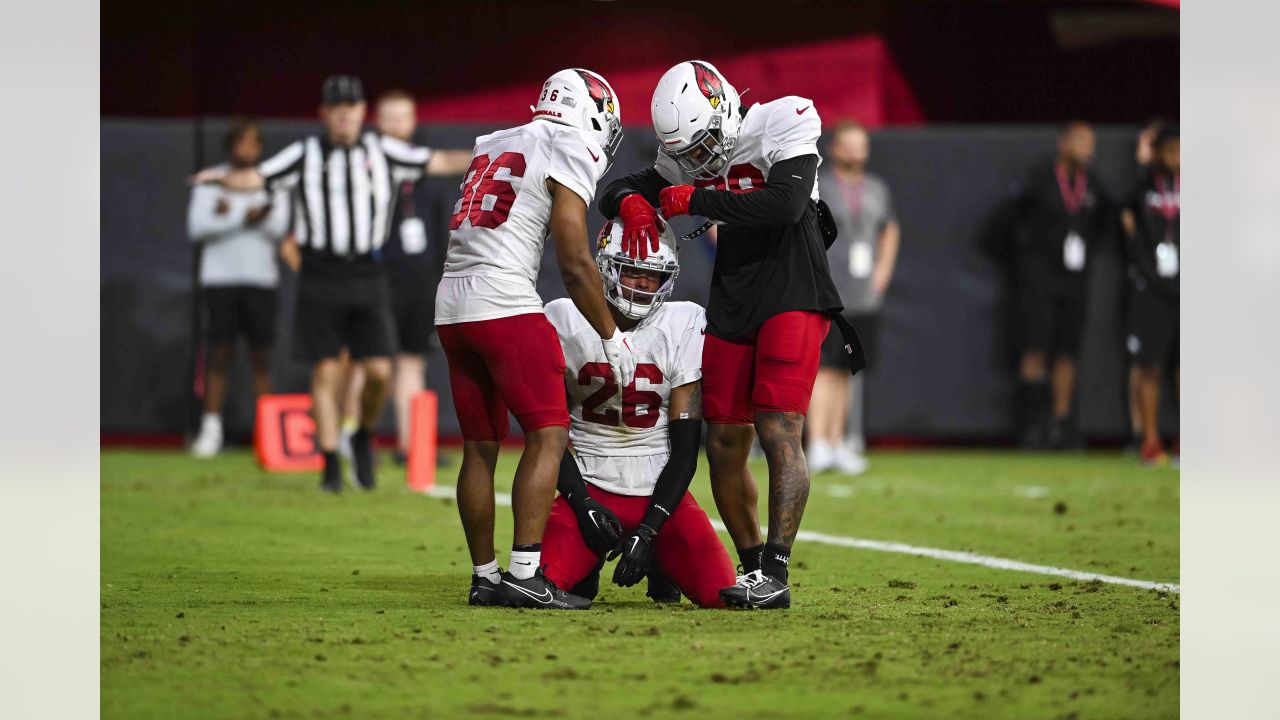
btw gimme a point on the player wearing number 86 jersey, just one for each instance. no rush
(523, 184)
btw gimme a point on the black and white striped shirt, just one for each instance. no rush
(346, 194)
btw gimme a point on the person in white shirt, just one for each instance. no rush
(239, 226)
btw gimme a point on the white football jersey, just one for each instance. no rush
(501, 221)
(613, 426)
(771, 132)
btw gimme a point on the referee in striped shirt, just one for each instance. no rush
(345, 181)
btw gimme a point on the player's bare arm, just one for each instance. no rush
(686, 402)
(582, 281)
(577, 268)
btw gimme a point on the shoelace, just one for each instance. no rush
(751, 579)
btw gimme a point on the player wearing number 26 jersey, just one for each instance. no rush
(523, 184)
(624, 491)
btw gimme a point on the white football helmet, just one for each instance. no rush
(584, 100)
(697, 116)
(611, 259)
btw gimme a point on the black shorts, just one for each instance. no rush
(236, 310)
(413, 310)
(332, 313)
(1051, 317)
(1153, 337)
(868, 327)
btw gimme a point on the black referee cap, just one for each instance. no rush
(340, 89)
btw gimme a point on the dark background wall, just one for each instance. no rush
(946, 361)
(964, 60)
(964, 95)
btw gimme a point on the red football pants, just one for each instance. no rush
(507, 363)
(688, 549)
(771, 371)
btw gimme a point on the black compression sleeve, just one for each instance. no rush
(570, 482)
(647, 182)
(673, 482)
(782, 201)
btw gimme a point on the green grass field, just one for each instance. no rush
(230, 593)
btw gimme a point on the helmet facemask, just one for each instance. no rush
(632, 302)
(707, 156)
(610, 139)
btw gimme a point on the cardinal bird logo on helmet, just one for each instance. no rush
(709, 84)
(598, 91)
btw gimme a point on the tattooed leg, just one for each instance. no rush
(780, 436)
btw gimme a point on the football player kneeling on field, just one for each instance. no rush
(624, 490)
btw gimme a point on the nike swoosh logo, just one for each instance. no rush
(594, 156)
(801, 112)
(523, 563)
(764, 598)
(544, 597)
(634, 541)
(592, 514)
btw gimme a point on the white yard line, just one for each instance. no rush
(504, 499)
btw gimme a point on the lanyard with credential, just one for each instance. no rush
(1170, 204)
(852, 192)
(1072, 196)
(1167, 262)
(1073, 247)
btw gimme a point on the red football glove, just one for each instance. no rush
(675, 200)
(639, 226)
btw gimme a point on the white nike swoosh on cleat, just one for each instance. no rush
(592, 514)
(764, 598)
(537, 597)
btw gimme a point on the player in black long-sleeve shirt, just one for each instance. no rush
(1153, 249)
(771, 293)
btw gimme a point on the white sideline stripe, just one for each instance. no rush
(968, 558)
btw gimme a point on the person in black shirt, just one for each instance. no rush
(1061, 214)
(755, 172)
(1152, 247)
(1144, 149)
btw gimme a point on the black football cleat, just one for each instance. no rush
(537, 593)
(755, 590)
(331, 477)
(484, 593)
(588, 587)
(663, 589)
(362, 459)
